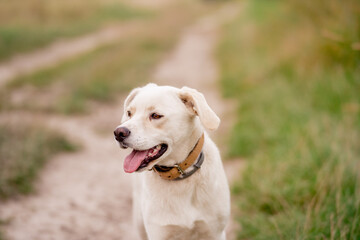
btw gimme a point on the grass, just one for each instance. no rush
(28, 25)
(24, 149)
(101, 75)
(294, 69)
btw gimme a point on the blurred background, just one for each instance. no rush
(290, 68)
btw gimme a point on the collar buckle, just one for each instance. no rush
(181, 171)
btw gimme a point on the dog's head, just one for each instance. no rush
(162, 123)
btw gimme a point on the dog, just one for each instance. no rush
(181, 191)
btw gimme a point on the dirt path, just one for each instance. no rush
(86, 195)
(192, 64)
(62, 50)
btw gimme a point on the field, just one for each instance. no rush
(99, 75)
(80, 84)
(75, 99)
(26, 146)
(293, 68)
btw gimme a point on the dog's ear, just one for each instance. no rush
(131, 97)
(197, 105)
(134, 92)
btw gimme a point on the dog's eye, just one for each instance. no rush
(155, 116)
(129, 114)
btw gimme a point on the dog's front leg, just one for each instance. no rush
(138, 221)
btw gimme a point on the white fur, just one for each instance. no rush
(196, 208)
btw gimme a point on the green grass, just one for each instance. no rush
(103, 74)
(35, 23)
(24, 149)
(298, 126)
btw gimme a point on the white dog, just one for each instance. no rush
(182, 191)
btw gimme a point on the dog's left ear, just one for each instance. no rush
(197, 105)
(131, 97)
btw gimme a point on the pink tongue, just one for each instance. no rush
(133, 161)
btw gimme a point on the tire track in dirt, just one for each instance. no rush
(62, 50)
(192, 64)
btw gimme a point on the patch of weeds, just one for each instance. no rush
(24, 149)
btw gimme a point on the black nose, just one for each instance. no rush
(121, 133)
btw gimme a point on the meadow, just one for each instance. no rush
(294, 69)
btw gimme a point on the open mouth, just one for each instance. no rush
(140, 159)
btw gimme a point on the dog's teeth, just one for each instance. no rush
(154, 151)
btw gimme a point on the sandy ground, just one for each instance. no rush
(86, 195)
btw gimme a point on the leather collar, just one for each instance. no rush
(178, 171)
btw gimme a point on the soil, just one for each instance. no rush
(87, 195)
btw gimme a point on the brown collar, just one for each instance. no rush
(177, 172)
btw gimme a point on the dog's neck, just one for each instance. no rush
(184, 147)
(186, 168)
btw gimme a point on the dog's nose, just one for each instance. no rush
(121, 133)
